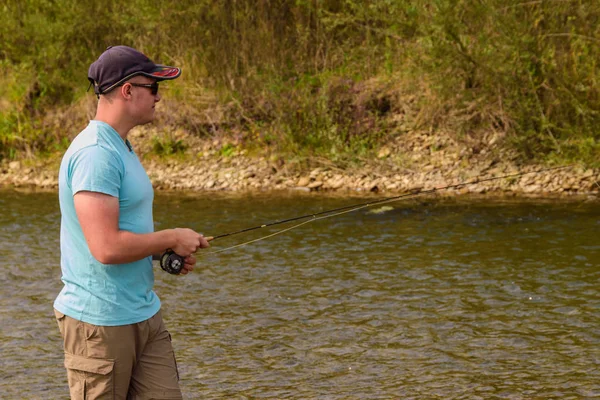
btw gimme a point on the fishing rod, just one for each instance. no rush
(173, 262)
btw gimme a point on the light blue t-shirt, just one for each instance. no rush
(99, 160)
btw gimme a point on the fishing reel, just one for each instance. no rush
(171, 262)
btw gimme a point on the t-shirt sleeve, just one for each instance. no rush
(95, 169)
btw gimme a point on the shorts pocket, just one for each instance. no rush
(174, 358)
(90, 378)
(60, 320)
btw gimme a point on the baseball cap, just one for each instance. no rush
(119, 63)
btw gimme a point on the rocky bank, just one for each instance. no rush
(421, 162)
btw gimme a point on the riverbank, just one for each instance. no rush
(412, 162)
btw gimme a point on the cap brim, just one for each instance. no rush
(163, 72)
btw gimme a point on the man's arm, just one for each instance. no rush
(98, 216)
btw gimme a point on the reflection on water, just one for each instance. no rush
(429, 299)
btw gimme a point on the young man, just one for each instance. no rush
(116, 345)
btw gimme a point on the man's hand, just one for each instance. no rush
(188, 242)
(188, 265)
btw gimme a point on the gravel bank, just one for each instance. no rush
(407, 165)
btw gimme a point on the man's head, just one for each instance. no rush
(126, 82)
(119, 64)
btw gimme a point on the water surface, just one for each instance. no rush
(443, 299)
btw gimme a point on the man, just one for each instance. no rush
(116, 345)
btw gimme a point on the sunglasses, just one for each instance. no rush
(152, 86)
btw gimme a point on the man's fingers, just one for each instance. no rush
(191, 260)
(203, 242)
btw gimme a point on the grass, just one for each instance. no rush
(334, 79)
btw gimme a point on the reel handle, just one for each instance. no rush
(171, 262)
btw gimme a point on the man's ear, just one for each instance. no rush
(126, 90)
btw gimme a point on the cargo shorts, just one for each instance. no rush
(133, 362)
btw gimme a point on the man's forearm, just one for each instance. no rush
(126, 247)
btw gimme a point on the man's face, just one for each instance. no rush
(142, 101)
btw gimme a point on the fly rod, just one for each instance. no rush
(173, 263)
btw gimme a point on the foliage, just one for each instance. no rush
(227, 150)
(167, 146)
(295, 73)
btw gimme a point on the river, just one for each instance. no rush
(424, 299)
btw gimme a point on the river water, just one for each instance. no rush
(432, 299)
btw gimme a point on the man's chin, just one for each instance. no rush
(147, 121)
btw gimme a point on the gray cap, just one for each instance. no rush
(119, 63)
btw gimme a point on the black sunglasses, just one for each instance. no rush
(152, 86)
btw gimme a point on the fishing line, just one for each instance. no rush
(172, 262)
(356, 207)
(387, 199)
(300, 224)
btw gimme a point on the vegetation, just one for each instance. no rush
(325, 77)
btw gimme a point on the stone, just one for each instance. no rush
(303, 181)
(301, 189)
(588, 174)
(339, 183)
(531, 188)
(384, 152)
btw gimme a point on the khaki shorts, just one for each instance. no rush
(119, 362)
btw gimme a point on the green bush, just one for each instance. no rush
(296, 70)
(167, 146)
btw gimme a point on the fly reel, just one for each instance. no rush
(171, 262)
